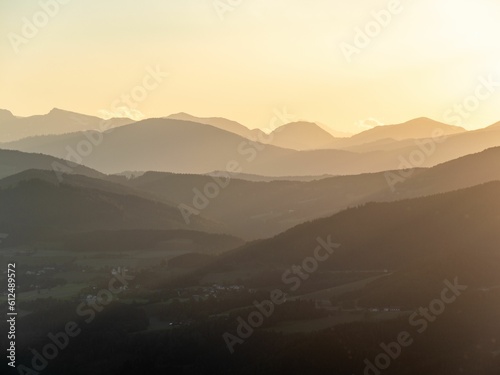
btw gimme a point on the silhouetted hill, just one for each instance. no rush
(157, 144)
(98, 182)
(413, 129)
(302, 136)
(219, 122)
(261, 208)
(57, 121)
(39, 204)
(419, 242)
(6, 115)
(495, 125)
(259, 178)
(187, 147)
(411, 229)
(13, 162)
(334, 132)
(460, 173)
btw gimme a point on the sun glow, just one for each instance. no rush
(429, 55)
(469, 24)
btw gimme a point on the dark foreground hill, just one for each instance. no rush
(13, 162)
(36, 202)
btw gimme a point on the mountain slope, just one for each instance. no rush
(413, 129)
(13, 162)
(302, 136)
(334, 132)
(36, 202)
(187, 147)
(431, 238)
(464, 172)
(55, 122)
(220, 123)
(265, 208)
(6, 115)
(99, 182)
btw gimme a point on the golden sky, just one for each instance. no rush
(242, 61)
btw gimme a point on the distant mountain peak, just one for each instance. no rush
(302, 135)
(56, 111)
(301, 123)
(183, 114)
(6, 115)
(316, 127)
(422, 120)
(202, 120)
(306, 127)
(55, 122)
(6, 112)
(495, 125)
(218, 122)
(421, 127)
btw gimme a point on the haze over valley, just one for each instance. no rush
(249, 187)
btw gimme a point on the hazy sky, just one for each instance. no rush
(246, 60)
